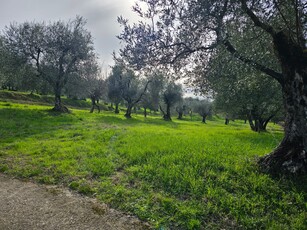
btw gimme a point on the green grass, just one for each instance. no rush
(176, 175)
(28, 98)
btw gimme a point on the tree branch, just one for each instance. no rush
(187, 50)
(277, 76)
(142, 94)
(269, 29)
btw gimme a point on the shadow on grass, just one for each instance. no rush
(18, 123)
(111, 118)
(297, 183)
(31, 98)
(292, 182)
(261, 138)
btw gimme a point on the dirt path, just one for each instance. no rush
(26, 205)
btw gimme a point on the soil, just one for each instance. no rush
(27, 205)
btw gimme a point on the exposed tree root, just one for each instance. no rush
(60, 109)
(288, 159)
(128, 116)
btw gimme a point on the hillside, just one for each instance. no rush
(28, 98)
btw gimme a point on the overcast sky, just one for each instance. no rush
(101, 16)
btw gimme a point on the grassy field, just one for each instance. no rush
(28, 98)
(176, 175)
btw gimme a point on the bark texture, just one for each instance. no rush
(128, 112)
(58, 106)
(291, 155)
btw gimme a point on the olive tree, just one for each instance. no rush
(15, 73)
(180, 109)
(185, 34)
(98, 89)
(153, 94)
(245, 93)
(124, 84)
(132, 90)
(204, 109)
(114, 86)
(87, 82)
(171, 95)
(58, 50)
(257, 102)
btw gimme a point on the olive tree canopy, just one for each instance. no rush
(58, 50)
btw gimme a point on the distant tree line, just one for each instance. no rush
(153, 92)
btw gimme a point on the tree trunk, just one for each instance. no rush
(291, 154)
(94, 105)
(204, 119)
(259, 124)
(226, 121)
(251, 123)
(58, 106)
(145, 112)
(116, 108)
(264, 122)
(167, 115)
(128, 111)
(180, 114)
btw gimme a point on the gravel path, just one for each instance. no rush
(26, 205)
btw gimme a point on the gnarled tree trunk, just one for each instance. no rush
(258, 124)
(167, 115)
(58, 106)
(128, 111)
(204, 118)
(291, 154)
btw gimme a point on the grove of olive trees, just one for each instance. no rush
(269, 36)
